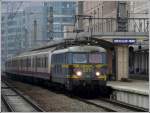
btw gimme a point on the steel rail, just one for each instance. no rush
(114, 103)
(125, 105)
(36, 107)
(9, 107)
(94, 104)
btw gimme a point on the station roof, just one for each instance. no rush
(82, 41)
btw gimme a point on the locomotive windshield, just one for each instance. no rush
(89, 58)
(95, 58)
(80, 58)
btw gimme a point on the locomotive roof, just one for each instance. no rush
(81, 49)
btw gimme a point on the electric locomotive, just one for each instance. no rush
(79, 66)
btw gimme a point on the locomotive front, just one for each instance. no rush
(88, 68)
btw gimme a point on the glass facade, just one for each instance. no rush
(12, 34)
(35, 25)
(63, 14)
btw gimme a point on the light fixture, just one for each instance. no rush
(78, 73)
(98, 73)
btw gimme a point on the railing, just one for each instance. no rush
(115, 25)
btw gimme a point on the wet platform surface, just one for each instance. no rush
(134, 86)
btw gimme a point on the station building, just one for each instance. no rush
(138, 54)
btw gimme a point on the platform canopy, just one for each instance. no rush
(81, 41)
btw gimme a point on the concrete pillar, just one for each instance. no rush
(146, 64)
(143, 61)
(122, 61)
(109, 60)
(136, 62)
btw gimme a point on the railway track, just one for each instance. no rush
(111, 106)
(108, 105)
(125, 105)
(15, 101)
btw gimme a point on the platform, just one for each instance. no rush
(134, 86)
(134, 92)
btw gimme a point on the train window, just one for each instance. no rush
(42, 59)
(55, 59)
(68, 58)
(55, 69)
(80, 58)
(24, 62)
(104, 60)
(21, 62)
(52, 59)
(63, 59)
(95, 58)
(46, 62)
(27, 62)
(30, 62)
(34, 62)
(60, 58)
(41, 62)
(38, 62)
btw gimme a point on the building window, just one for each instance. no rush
(9, 23)
(2, 18)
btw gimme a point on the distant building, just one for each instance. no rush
(13, 35)
(36, 26)
(63, 15)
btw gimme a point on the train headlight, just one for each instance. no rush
(79, 73)
(98, 73)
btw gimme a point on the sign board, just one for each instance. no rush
(124, 41)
